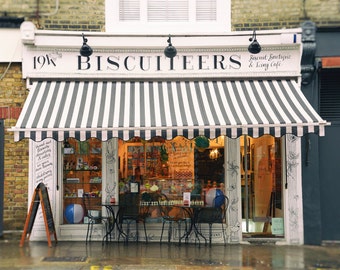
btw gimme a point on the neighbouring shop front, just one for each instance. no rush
(325, 91)
(214, 116)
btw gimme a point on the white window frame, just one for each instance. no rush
(113, 25)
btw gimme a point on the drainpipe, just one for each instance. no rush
(312, 222)
(308, 69)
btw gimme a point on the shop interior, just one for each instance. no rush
(182, 165)
(261, 183)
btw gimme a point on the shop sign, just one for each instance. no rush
(282, 61)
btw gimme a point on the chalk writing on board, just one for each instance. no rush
(40, 197)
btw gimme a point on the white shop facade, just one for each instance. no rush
(91, 120)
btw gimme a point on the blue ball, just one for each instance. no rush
(214, 197)
(219, 199)
(74, 213)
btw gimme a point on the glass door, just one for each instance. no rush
(261, 180)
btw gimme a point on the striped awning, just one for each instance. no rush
(125, 109)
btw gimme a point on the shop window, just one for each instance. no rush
(330, 94)
(164, 165)
(172, 167)
(82, 176)
(167, 16)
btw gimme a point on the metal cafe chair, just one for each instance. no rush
(92, 213)
(132, 211)
(214, 215)
(170, 216)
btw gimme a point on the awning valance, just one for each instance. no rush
(124, 109)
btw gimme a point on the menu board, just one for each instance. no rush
(181, 158)
(40, 197)
(44, 170)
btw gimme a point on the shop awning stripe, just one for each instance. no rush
(124, 109)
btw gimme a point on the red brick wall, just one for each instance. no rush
(12, 96)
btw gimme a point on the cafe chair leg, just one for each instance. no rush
(185, 233)
(128, 230)
(89, 232)
(163, 225)
(210, 233)
(137, 232)
(170, 232)
(122, 234)
(224, 235)
(145, 233)
(170, 228)
(179, 233)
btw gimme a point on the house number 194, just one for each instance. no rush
(40, 61)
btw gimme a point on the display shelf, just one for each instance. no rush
(82, 183)
(81, 171)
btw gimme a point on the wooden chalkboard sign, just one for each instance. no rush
(40, 196)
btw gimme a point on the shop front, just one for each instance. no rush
(213, 116)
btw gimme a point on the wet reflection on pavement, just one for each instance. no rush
(77, 255)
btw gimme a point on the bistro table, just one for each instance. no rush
(112, 210)
(192, 210)
(201, 213)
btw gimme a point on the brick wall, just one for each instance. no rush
(12, 96)
(83, 15)
(278, 14)
(89, 15)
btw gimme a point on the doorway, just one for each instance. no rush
(261, 185)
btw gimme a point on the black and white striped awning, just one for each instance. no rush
(124, 109)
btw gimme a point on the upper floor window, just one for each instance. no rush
(167, 16)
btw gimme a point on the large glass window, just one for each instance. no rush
(180, 165)
(167, 166)
(173, 166)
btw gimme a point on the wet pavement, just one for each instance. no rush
(95, 256)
